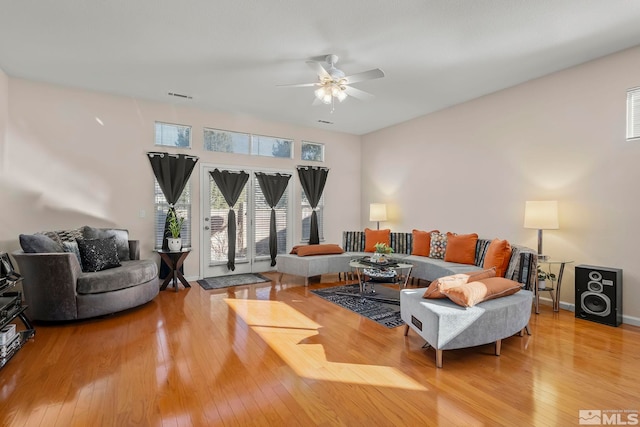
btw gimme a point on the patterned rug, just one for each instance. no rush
(232, 280)
(382, 307)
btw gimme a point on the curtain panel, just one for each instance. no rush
(313, 179)
(230, 184)
(172, 172)
(273, 187)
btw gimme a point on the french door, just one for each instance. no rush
(252, 224)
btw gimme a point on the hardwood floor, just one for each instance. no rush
(275, 354)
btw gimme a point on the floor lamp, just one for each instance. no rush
(377, 213)
(541, 215)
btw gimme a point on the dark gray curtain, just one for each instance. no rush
(313, 180)
(230, 184)
(273, 187)
(172, 172)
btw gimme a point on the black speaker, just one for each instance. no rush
(599, 294)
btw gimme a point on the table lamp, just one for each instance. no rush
(377, 213)
(541, 215)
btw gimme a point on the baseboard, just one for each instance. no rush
(629, 320)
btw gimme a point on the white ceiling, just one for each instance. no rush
(230, 55)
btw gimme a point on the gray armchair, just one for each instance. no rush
(55, 287)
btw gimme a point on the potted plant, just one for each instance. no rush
(543, 276)
(175, 226)
(381, 251)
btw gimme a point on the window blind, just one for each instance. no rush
(633, 113)
(183, 209)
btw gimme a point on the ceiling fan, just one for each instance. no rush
(334, 84)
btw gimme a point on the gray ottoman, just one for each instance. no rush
(447, 326)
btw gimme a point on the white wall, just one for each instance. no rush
(63, 169)
(471, 167)
(4, 114)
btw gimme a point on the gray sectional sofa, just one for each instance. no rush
(56, 288)
(521, 266)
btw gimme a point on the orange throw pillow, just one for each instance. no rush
(435, 288)
(498, 256)
(371, 237)
(325, 249)
(473, 293)
(421, 242)
(461, 248)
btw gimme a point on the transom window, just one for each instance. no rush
(171, 135)
(243, 143)
(312, 151)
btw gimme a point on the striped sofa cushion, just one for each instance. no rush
(353, 241)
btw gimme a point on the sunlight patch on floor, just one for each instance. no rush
(285, 330)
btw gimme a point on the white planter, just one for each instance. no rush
(542, 284)
(174, 244)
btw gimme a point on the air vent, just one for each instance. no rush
(325, 122)
(179, 95)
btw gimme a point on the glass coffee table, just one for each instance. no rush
(369, 273)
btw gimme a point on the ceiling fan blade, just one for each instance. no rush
(365, 75)
(319, 69)
(358, 94)
(299, 85)
(316, 101)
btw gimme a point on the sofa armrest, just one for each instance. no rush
(49, 284)
(134, 249)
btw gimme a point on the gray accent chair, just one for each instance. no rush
(56, 289)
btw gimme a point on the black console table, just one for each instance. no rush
(11, 308)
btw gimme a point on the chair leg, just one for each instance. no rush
(406, 330)
(439, 358)
(498, 347)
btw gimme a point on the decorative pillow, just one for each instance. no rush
(69, 235)
(498, 256)
(473, 293)
(421, 242)
(122, 238)
(435, 288)
(438, 245)
(325, 249)
(73, 248)
(98, 254)
(39, 243)
(461, 248)
(371, 237)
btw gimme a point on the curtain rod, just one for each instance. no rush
(311, 167)
(162, 154)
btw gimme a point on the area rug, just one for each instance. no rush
(383, 307)
(232, 280)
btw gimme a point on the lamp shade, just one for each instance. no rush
(541, 215)
(377, 212)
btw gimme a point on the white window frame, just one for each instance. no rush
(183, 208)
(305, 209)
(254, 143)
(633, 114)
(160, 139)
(305, 143)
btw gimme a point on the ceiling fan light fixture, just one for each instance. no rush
(341, 95)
